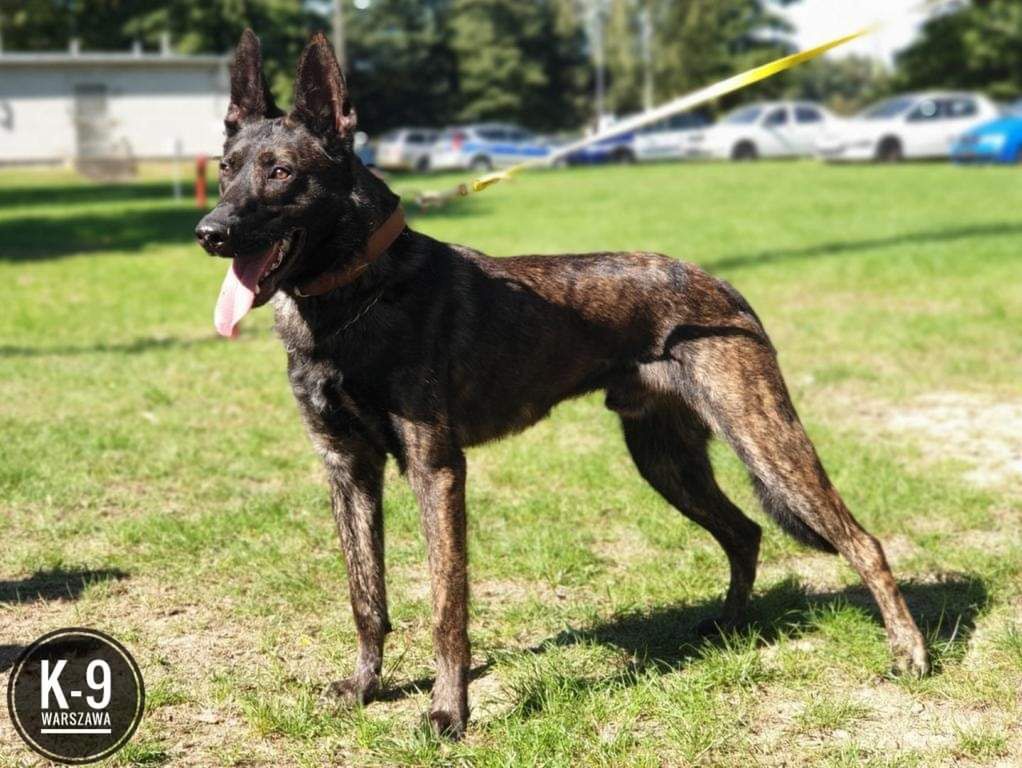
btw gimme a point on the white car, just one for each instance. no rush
(671, 138)
(406, 149)
(915, 125)
(767, 129)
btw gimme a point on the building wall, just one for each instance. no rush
(148, 108)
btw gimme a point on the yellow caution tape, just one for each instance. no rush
(478, 185)
(680, 104)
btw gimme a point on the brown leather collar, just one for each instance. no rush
(379, 241)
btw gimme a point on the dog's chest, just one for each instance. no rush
(331, 406)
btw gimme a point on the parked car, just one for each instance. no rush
(671, 138)
(406, 149)
(485, 146)
(999, 141)
(616, 149)
(364, 149)
(914, 125)
(766, 129)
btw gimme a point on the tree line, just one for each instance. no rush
(440, 62)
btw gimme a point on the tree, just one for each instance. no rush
(516, 61)
(846, 84)
(195, 26)
(401, 69)
(493, 72)
(624, 61)
(214, 26)
(978, 47)
(701, 41)
(444, 61)
(564, 102)
(50, 24)
(695, 42)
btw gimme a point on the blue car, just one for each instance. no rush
(999, 141)
(616, 149)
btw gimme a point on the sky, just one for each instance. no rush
(819, 20)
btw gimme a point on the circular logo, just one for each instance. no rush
(75, 695)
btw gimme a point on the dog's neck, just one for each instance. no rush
(381, 239)
(374, 200)
(306, 321)
(362, 234)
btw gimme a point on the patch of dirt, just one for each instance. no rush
(620, 549)
(176, 640)
(503, 591)
(979, 430)
(489, 698)
(817, 572)
(821, 572)
(894, 722)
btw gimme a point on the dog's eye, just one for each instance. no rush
(280, 173)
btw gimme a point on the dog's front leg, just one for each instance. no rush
(437, 477)
(356, 492)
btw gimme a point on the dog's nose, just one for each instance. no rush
(212, 235)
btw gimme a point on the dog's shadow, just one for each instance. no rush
(55, 584)
(665, 640)
(945, 610)
(9, 654)
(45, 586)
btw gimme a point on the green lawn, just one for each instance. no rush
(155, 482)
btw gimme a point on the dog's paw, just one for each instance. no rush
(349, 692)
(447, 725)
(911, 661)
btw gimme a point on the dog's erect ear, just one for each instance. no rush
(250, 95)
(322, 103)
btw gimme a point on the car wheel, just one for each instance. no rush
(422, 165)
(890, 151)
(481, 164)
(744, 151)
(624, 156)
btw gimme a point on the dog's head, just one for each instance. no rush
(286, 181)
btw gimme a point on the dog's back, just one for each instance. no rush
(513, 336)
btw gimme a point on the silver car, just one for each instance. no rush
(405, 149)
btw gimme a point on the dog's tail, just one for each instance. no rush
(751, 408)
(782, 510)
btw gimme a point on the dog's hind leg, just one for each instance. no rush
(356, 491)
(735, 385)
(669, 447)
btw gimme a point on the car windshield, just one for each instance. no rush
(744, 116)
(888, 109)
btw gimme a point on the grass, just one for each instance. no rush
(155, 482)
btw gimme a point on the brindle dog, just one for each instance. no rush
(421, 349)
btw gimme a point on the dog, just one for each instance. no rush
(400, 345)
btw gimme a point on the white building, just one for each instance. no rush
(58, 107)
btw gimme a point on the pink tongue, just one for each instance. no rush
(238, 292)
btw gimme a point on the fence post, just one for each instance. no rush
(177, 168)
